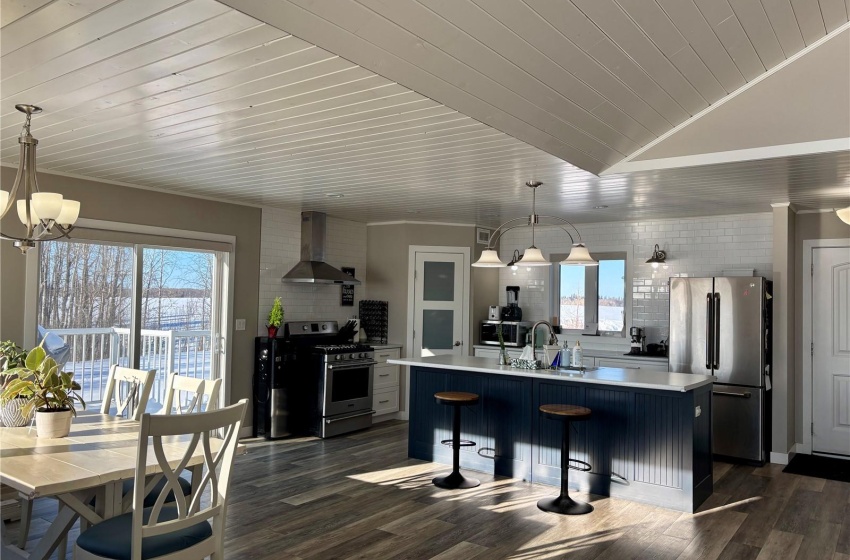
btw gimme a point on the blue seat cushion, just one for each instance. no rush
(150, 499)
(111, 538)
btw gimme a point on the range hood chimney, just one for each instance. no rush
(312, 268)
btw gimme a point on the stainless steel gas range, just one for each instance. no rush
(332, 390)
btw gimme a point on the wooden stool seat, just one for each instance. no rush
(456, 398)
(569, 412)
(454, 480)
(563, 504)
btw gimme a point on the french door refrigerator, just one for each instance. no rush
(721, 326)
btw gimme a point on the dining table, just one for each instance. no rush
(84, 471)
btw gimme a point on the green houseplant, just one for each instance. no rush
(46, 390)
(11, 412)
(275, 317)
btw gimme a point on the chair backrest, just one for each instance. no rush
(141, 383)
(175, 440)
(180, 389)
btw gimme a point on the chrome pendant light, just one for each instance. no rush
(579, 255)
(46, 216)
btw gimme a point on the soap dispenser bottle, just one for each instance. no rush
(565, 355)
(578, 355)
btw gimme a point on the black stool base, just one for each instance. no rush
(455, 481)
(564, 505)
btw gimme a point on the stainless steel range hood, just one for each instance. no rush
(312, 268)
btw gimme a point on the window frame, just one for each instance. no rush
(601, 253)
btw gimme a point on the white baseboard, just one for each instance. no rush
(246, 432)
(803, 448)
(779, 458)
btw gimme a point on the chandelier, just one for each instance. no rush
(46, 216)
(579, 255)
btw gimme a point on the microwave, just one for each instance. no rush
(513, 332)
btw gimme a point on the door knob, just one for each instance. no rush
(457, 343)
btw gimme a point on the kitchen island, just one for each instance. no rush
(649, 438)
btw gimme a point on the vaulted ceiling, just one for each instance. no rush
(438, 109)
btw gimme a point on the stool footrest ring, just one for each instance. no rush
(583, 466)
(462, 443)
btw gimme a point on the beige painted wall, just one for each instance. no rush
(783, 401)
(103, 201)
(387, 266)
(825, 225)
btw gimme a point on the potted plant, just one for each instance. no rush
(46, 390)
(11, 412)
(275, 318)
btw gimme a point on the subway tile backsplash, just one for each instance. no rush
(696, 247)
(280, 249)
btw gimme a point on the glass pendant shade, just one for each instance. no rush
(844, 214)
(22, 213)
(533, 257)
(4, 200)
(70, 212)
(579, 256)
(489, 259)
(47, 205)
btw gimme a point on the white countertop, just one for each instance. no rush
(664, 381)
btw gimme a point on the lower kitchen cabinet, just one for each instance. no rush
(385, 385)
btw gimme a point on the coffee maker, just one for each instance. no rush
(638, 341)
(512, 312)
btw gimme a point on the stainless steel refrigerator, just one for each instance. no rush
(721, 326)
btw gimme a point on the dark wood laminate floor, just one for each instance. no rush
(359, 496)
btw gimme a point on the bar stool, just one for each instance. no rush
(454, 479)
(563, 504)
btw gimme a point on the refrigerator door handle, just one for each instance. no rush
(709, 331)
(744, 395)
(716, 331)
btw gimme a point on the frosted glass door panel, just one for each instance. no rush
(437, 329)
(439, 281)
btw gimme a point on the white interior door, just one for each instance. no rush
(440, 304)
(831, 350)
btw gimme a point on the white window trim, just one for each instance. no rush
(601, 340)
(31, 289)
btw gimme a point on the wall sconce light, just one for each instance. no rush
(843, 214)
(514, 260)
(658, 257)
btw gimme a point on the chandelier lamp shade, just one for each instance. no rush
(46, 216)
(844, 214)
(532, 256)
(658, 257)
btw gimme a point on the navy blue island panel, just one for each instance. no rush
(643, 444)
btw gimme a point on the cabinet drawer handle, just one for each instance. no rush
(383, 402)
(383, 355)
(383, 375)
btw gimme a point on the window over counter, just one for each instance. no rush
(585, 296)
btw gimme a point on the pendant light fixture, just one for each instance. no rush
(46, 216)
(579, 255)
(658, 257)
(843, 214)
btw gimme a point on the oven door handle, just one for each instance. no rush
(359, 414)
(340, 367)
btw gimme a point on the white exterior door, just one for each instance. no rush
(440, 302)
(831, 350)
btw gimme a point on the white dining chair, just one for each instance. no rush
(187, 394)
(140, 385)
(183, 530)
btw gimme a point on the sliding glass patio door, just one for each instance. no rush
(135, 305)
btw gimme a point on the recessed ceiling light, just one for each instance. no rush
(600, 207)
(334, 195)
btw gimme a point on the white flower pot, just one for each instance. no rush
(12, 414)
(53, 424)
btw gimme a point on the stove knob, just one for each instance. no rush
(362, 355)
(338, 357)
(351, 356)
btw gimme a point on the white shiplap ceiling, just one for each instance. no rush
(197, 98)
